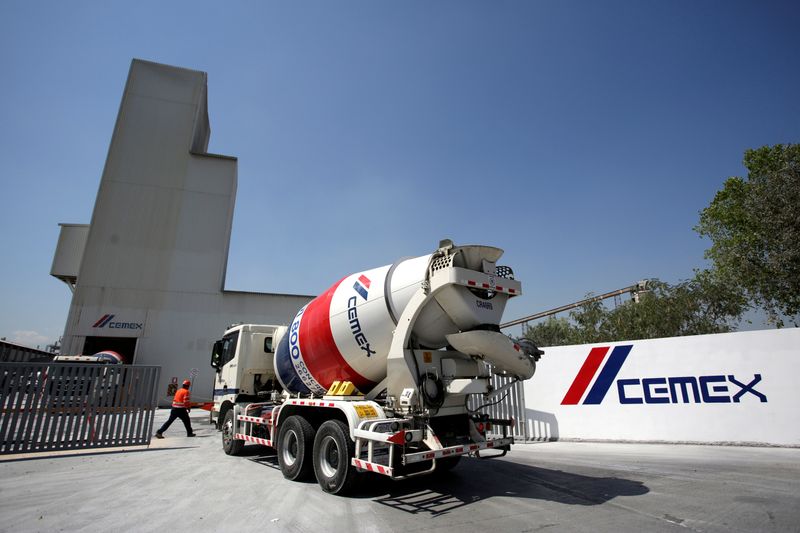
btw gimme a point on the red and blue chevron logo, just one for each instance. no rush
(105, 319)
(362, 286)
(604, 379)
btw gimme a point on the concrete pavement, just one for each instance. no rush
(189, 483)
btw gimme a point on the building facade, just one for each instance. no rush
(148, 272)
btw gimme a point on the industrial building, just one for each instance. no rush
(148, 272)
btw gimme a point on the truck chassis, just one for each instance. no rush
(383, 446)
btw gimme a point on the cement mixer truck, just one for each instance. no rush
(374, 375)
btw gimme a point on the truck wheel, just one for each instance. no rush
(229, 444)
(295, 441)
(333, 451)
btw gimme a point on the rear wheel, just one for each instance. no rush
(295, 442)
(231, 445)
(333, 451)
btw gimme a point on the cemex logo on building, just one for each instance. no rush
(362, 286)
(717, 388)
(106, 320)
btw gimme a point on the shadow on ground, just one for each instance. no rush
(262, 455)
(474, 480)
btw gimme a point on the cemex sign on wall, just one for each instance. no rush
(733, 387)
(111, 322)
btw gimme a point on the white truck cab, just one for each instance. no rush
(243, 360)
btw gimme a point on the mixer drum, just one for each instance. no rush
(345, 333)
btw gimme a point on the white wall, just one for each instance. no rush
(726, 413)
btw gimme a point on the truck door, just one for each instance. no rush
(226, 378)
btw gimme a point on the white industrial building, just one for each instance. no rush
(148, 272)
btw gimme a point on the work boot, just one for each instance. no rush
(159, 436)
(191, 435)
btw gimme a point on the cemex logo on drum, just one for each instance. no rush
(715, 388)
(362, 286)
(105, 320)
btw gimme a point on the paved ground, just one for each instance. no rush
(191, 485)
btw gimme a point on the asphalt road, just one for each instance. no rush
(191, 485)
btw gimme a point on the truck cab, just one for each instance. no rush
(243, 359)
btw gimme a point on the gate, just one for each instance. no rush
(509, 406)
(58, 406)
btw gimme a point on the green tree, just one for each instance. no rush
(582, 327)
(693, 307)
(590, 321)
(754, 226)
(553, 332)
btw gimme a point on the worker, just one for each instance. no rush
(180, 409)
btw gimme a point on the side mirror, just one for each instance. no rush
(216, 355)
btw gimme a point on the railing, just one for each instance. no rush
(511, 405)
(14, 353)
(57, 406)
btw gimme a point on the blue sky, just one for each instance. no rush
(582, 137)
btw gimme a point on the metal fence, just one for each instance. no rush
(57, 406)
(510, 406)
(15, 353)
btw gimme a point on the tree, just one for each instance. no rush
(754, 227)
(693, 307)
(553, 332)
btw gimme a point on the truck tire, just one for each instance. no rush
(333, 451)
(295, 442)
(230, 445)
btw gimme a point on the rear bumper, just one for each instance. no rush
(432, 455)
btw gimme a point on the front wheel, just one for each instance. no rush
(333, 452)
(231, 445)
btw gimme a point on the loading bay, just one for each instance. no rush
(191, 484)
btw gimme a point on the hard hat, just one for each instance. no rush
(186, 382)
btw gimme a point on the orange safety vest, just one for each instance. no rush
(181, 399)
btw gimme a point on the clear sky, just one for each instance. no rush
(582, 137)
